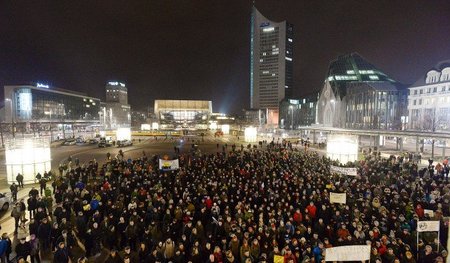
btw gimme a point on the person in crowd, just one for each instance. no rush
(19, 179)
(42, 185)
(16, 214)
(23, 249)
(14, 189)
(244, 204)
(61, 254)
(34, 253)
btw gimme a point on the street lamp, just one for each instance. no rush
(292, 116)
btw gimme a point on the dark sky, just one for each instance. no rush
(199, 49)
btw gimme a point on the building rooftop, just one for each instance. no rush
(440, 73)
(353, 68)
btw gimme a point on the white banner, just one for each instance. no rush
(348, 253)
(427, 226)
(169, 164)
(344, 170)
(429, 212)
(340, 198)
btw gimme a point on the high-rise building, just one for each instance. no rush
(271, 59)
(115, 111)
(116, 92)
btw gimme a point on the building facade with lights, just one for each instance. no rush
(429, 100)
(183, 114)
(356, 94)
(271, 65)
(115, 111)
(40, 103)
(299, 112)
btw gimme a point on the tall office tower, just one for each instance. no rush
(116, 112)
(116, 92)
(271, 58)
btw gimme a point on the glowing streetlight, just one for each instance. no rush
(292, 116)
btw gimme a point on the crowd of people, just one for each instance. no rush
(244, 205)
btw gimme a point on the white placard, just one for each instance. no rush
(429, 212)
(348, 253)
(427, 226)
(340, 198)
(169, 164)
(344, 170)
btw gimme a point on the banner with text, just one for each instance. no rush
(340, 198)
(344, 170)
(429, 212)
(168, 165)
(427, 226)
(348, 253)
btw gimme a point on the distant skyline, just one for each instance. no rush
(180, 49)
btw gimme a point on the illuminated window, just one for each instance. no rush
(290, 39)
(350, 72)
(288, 59)
(373, 77)
(268, 29)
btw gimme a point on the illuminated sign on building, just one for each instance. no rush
(115, 83)
(295, 102)
(264, 24)
(40, 85)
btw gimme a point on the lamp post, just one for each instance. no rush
(292, 116)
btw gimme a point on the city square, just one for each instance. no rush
(238, 131)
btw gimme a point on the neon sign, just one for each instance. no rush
(40, 85)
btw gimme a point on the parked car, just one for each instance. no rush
(124, 143)
(70, 142)
(92, 141)
(5, 201)
(104, 143)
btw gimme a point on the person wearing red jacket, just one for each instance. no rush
(420, 211)
(297, 217)
(208, 202)
(312, 209)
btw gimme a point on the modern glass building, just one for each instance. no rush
(192, 114)
(356, 94)
(271, 64)
(42, 103)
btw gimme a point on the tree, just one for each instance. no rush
(433, 121)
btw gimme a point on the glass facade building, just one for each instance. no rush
(29, 103)
(183, 113)
(356, 94)
(298, 112)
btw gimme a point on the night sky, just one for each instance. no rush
(199, 49)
